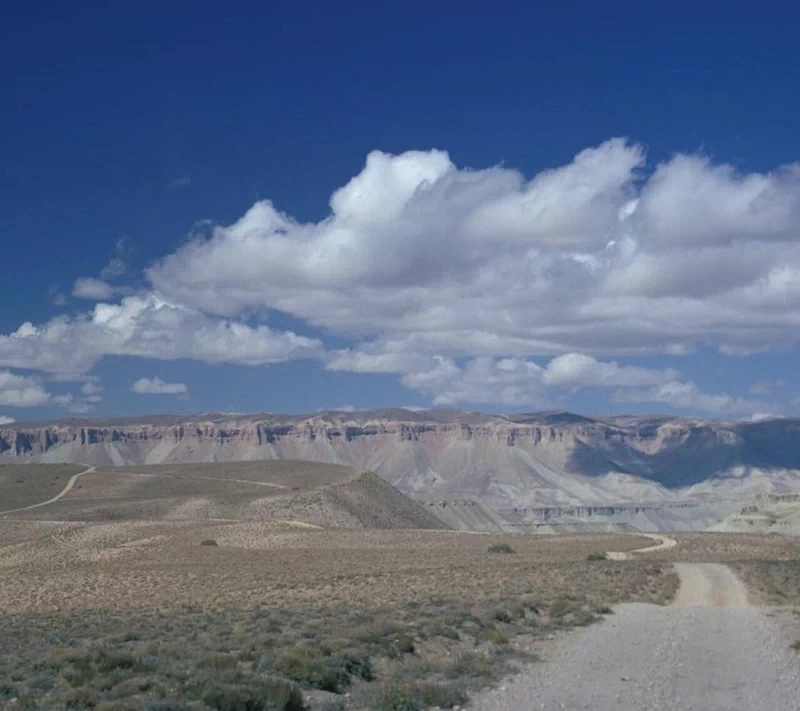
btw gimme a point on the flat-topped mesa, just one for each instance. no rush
(527, 461)
(31, 442)
(648, 436)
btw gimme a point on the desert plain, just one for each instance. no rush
(291, 585)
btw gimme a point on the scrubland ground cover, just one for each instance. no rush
(128, 615)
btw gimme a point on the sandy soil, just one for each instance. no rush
(709, 651)
(117, 564)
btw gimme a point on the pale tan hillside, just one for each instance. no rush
(309, 493)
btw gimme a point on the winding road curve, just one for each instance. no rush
(709, 651)
(58, 496)
(663, 543)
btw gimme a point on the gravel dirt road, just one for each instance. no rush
(709, 651)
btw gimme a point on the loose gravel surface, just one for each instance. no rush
(710, 651)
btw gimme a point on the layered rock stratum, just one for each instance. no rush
(541, 471)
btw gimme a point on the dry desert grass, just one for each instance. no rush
(139, 614)
(320, 494)
(27, 484)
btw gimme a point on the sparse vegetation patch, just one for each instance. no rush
(774, 582)
(502, 548)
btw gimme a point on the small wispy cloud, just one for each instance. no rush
(91, 388)
(92, 392)
(56, 297)
(6, 420)
(765, 387)
(182, 182)
(94, 289)
(116, 267)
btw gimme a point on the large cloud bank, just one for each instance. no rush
(148, 327)
(456, 279)
(589, 257)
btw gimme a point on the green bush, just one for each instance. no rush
(166, 705)
(134, 685)
(443, 696)
(562, 607)
(266, 694)
(83, 698)
(495, 635)
(107, 662)
(209, 542)
(120, 705)
(592, 557)
(395, 699)
(385, 638)
(503, 548)
(471, 665)
(218, 662)
(418, 696)
(334, 673)
(503, 615)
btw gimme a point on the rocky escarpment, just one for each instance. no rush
(524, 468)
(767, 513)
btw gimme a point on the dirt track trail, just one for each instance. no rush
(60, 495)
(663, 543)
(709, 651)
(149, 475)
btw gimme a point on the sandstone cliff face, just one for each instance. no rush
(549, 466)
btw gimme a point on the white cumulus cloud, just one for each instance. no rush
(148, 327)
(6, 420)
(156, 386)
(688, 396)
(593, 257)
(474, 285)
(91, 388)
(522, 382)
(93, 289)
(21, 391)
(581, 370)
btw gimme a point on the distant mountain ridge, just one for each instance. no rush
(514, 467)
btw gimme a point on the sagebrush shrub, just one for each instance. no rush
(501, 548)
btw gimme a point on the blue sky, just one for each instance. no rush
(593, 206)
